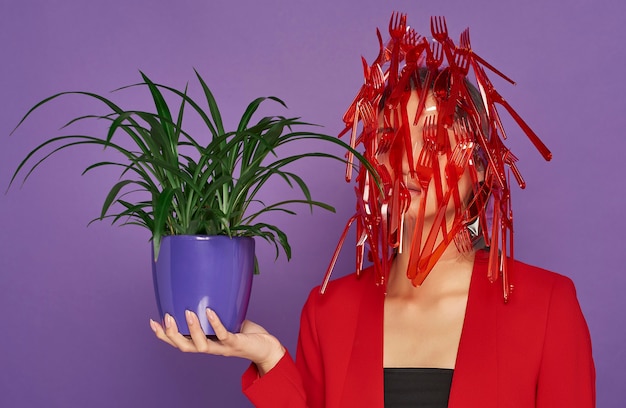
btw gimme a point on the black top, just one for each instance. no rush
(417, 387)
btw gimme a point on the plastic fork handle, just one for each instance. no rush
(350, 159)
(333, 260)
(448, 50)
(437, 252)
(381, 53)
(438, 220)
(517, 174)
(492, 68)
(543, 149)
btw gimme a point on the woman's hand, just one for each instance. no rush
(253, 342)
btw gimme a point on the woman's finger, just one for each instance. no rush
(220, 331)
(198, 337)
(160, 333)
(180, 341)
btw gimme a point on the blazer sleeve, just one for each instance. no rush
(280, 387)
(291, 384)
(567, 372)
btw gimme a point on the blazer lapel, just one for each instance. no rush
(364, 377)
(475, 377)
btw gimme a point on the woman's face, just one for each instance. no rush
(396, 161)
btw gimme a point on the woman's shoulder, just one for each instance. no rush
(535, 292)
(345, 291)
(530, 278)
(540, 301)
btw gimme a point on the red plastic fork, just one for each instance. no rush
(494, 97)
(397, 30)
(439, 30)
(381, 58)
(364, 112)
(424, 171)
(457, 162)
(464, 146)
(434, 58)
(464, 43)
(463, 241)
(377, 77)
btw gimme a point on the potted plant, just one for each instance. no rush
(199, 199)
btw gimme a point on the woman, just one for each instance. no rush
(457, 339)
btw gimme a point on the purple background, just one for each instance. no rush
(75, 301)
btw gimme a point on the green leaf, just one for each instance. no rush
(162, 206)
(256, 266)
(215, 112)
(270, 233)
(110, 198)
(278, 207)
(161, 106)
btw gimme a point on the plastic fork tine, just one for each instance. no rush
(445, 26)
(457, 154)
(510, 159)
(393, 22)
(460, 128)
(385, 143)
(411, 37)
(462, 61)
(429, 134)
(397, 25)
(437, 55)
(435, 26)
(463, 241)
(464, 145)
(464, 39)
(377, 77)
(412, 46)
(368, 117)
(439, 29)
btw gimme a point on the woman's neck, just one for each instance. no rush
(450, 275)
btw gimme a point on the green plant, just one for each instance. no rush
(191, 188)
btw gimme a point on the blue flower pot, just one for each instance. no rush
(194, 272)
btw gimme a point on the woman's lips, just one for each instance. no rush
(414, 190)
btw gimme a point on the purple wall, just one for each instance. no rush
(75, 301)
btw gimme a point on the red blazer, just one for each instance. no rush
(534, 351)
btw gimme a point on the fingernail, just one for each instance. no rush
(189, 318)
(168, 320)
(152, 325)
(210, 313)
